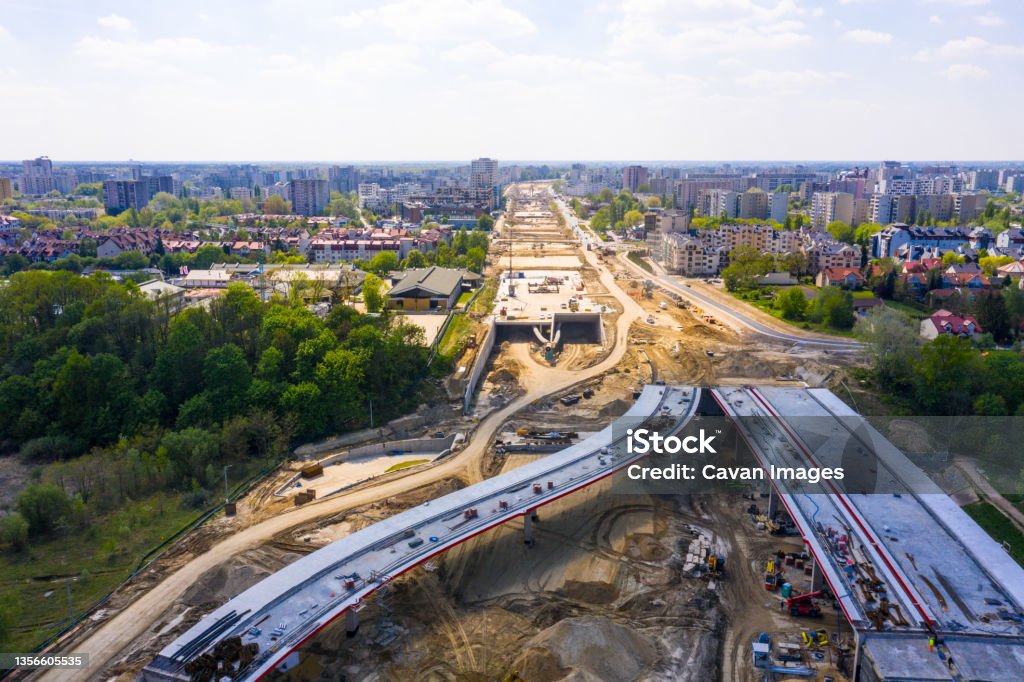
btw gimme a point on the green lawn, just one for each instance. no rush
(404, 465)
(907, 309)
(464, 298)
(485, 301)
(637, 258)
(999, 527)
(767, 306)
(457, 331)
(95, 559)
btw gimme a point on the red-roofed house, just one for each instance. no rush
(851, 278)
(945, 322)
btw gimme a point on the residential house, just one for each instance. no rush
(848, 278)
(945, 322)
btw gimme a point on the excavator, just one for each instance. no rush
(803, 604)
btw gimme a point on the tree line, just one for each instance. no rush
(130, 398)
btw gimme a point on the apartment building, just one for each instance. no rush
(309, 196)
(683, 254)
(6, 189)
(633, 177)
(828, 207)
(37, 176)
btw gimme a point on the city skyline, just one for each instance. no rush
(519, 80)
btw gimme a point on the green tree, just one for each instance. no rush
(792, 303)
(834, 307)
(415, 259)
(633, 218)
(43, 506)
(945, 376)
(275, 205)
(14, 532)
(485, 223)
(990, 405)
(840, 231)
(227, 378)
(891, 340)
(383, 263)
(373, 293)
(746, 266)
(993, 316)
(951, 258)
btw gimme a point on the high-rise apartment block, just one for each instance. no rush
(633, 177)
(310, 196)
(37, 176)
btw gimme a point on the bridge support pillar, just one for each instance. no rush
(351, 623)
(817, 577)
(773, 502)
(528, 520)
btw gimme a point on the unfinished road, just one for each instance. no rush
(106, 643)
(733, 311)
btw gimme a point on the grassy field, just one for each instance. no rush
(485, 301)
(457, 331)
(404, 465)
(999, 527)
(767, 306)
(639, 259)
(102, 556)
(464, 298)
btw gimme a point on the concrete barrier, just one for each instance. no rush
(481, 362)
(384, 447)
(443, 446)
(396, 427)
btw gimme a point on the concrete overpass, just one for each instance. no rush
(927, 593)
(289, 607)
(905, 563)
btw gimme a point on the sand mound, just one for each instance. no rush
(590, 648)
(224, 582)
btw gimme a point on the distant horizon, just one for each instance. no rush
(522, 162)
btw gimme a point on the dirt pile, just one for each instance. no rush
(590, 648)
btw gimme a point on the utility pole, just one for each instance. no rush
(226, 494)
(371, 414)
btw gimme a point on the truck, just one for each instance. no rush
(804, 605)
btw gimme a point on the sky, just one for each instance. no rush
(513, 79)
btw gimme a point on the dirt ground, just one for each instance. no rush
(601, 595)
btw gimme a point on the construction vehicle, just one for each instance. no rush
(772, 576)
(804, 605)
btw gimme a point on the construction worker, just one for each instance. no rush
(931, 644)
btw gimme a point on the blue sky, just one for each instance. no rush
(514, 79)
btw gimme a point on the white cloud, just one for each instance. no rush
(959, 3)
(789, 81)
(958, 72)
(163, 54)
(430, 20)
(989, 20)
(934, 19)
(688, 28)
(861, 35)
(116, 22)
(477, 51)
(4, 33)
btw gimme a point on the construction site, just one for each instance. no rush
(601, 582)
